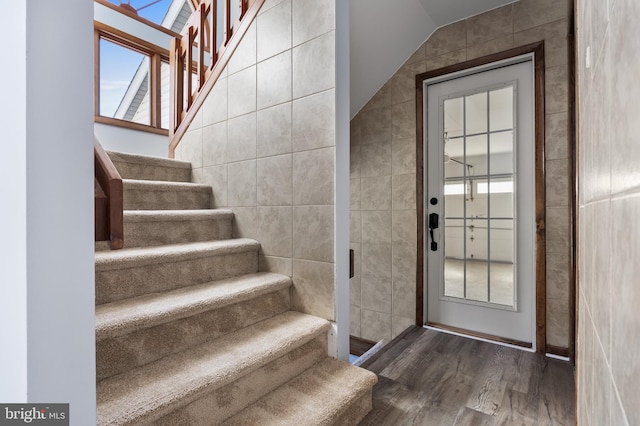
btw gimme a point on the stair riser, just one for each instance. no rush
(357, 411)
(180, 199)
(120, 354)
(117, 284)
(224, 402)
(147, 234)
(150, 172)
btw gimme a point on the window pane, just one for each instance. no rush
(501, 113)
(124, 83)
(501, 152)
(453, 118)
(476, 113)
(164, 95)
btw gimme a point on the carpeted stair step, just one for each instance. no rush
(209, 371)
(145, 228)
(132, 166)
(133, 272)
(329, 393)
(140, 330)
(159, 195)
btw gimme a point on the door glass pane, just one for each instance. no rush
(476, 113)
(478, 196)
(501, 107)
(501, 152)
(502, 262)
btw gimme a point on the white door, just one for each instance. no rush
(480, 202)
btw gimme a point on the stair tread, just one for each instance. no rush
(140, 256)
(176, 215)
(153, 390)
(163, 185)
(148, 160)
(323, 393)
(124, 316)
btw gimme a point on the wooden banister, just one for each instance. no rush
(192, 80)
(109, 222)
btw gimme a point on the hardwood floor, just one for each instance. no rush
(431, 378)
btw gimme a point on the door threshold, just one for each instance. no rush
(511, 343)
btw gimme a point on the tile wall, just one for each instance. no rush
(383, 205)
(265, 141)
(608, 365)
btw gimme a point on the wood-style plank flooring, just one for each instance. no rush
(431, 378)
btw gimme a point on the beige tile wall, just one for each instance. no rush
(608, 365)
(383, 215)
(265, 141)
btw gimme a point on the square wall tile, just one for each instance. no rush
(216, 177)
(244, 222)
(554, 35)
(556, 89)
(275, 230)
(374, 125)
(355, 226)
(313, 177)
(314, 288)
(274, 80)
(354, 194)
(625, 294)
(312, 18)
(558, 231)
(490, 25)
(242, 85)
(447, 59)
(375, 193)
(277, 265)
(245, 55)
(274, 181)
(403, 151)
(404, 267)
(314, 121)
(274, 130)
(403, 120)
(557, 323)
(404, 192)
(404, 225)
(400, 324)
(532, 13)
(490, 47)
(214, 144)
(375, 326)
(354, 321)
(403, 82)
(381, 99)
(355, 288)
(190, 148)
(557, 182)
(313, 233)
(314, 66)
(274, 30)
(375, 159)
(404, 299)
(449, 38)
(376, 280)
(241, 138)
(376, 226)
(214, 108)
(557, 136)
(242, 184)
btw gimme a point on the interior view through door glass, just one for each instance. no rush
(479, 214)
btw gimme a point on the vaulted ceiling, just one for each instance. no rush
(384, 34)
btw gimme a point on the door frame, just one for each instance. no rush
(537, 49)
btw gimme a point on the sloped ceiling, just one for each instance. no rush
(384, 34)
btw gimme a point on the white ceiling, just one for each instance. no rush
(384, 34)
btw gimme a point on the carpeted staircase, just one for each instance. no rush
(188, 332)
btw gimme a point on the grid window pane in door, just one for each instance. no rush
(479, 196)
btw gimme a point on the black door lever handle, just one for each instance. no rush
(433, 224)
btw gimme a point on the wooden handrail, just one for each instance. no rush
(197, 51)
(110, 182)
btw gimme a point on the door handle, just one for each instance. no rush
(433, 224)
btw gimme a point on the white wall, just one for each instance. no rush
(13, 169)
(342, 177)
(121, 139)
(50, 166)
